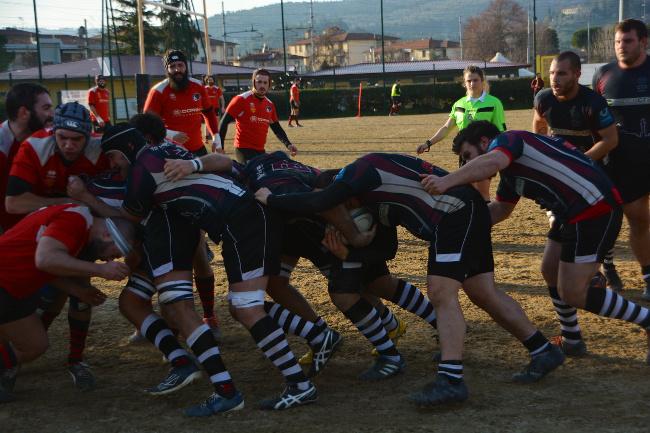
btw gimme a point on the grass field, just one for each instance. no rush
(607, 391)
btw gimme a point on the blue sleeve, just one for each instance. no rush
(509, 143)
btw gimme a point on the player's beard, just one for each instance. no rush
(179, 83)
(102, 85)
(34, 123)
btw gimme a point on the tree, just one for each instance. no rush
(549, 42)
(126, 21)
(6, 57)
(500, 28)
(178, 30)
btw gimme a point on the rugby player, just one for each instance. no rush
(294, 102)
(29, 109)
(579, 115)
(254, 113)
(624, 84)
(42, 247)
(559, 178)
(38, 178)
(98, 101)
(458, 228)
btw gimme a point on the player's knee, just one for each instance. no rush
(247, 307)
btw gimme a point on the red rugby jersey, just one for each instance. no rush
(253, 116)
(68, 223)
(183, 110)
(100, 99)
(214, 93)
(39, 163)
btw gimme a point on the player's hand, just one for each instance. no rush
(76, 188)
(113, 271)
(180, 137)
(262, 195)
(293, 150)
(334, 242)
(434, 185)
(177, 169)
(424, 147)
(217, 146)
(91, 295)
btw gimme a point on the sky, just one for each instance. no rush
(53, 14)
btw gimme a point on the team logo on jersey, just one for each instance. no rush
(269, 109)
(176, 112)
(172, 96)
(196, 96)
(50, 178)
(252, 107)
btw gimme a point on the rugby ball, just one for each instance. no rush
(362, 218)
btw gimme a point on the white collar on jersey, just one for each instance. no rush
(480, 98)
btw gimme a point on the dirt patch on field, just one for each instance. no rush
(605, 392)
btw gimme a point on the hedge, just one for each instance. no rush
(416, 98)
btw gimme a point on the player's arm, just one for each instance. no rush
(52, 256)
(540, 126)
(282, 136)
(438, 136)
(223, 126)
(77, 190)
(482, 167)
(306, 203)
(500, 210)
(339, 217)
(222, 104)
(91, 106)
(499, 119)
(177, 169)
(608, 141)
(21, 200)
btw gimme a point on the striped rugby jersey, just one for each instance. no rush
(555, 174)
(204, 199)
(389, 184)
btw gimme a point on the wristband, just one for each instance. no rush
(198, 164)
(428, 143)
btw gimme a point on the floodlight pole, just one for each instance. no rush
(143, 68)
(534, 37)
(38, 44)
(284, 42)
(383, 58)
(208, 47)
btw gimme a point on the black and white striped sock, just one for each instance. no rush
(452, 369)
(568, 317)
(411, 299)
(271, 340)
(204, 346)
(367, 320)
(294, 324)
(537, 344)
(156, 330)
(606, 302)
(388, 319)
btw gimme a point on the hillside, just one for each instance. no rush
(407, 19)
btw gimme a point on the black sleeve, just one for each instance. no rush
(223, 127)
(383, 247)
(17, 186)
(279, 132)
(308, 203)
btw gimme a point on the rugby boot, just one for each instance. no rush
(324, 351)
(439, 392)
(570, 349)
(383, 368)
(540, 365)
(177, 378)
(82, 377)
(215, 404)
(291, 397)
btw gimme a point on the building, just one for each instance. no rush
(272, 59)
(415, 50)
(55, 48)
(335, 47)
(217, 47)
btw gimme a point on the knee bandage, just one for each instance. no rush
(249, 299)
(140, 286)
(174, 291)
